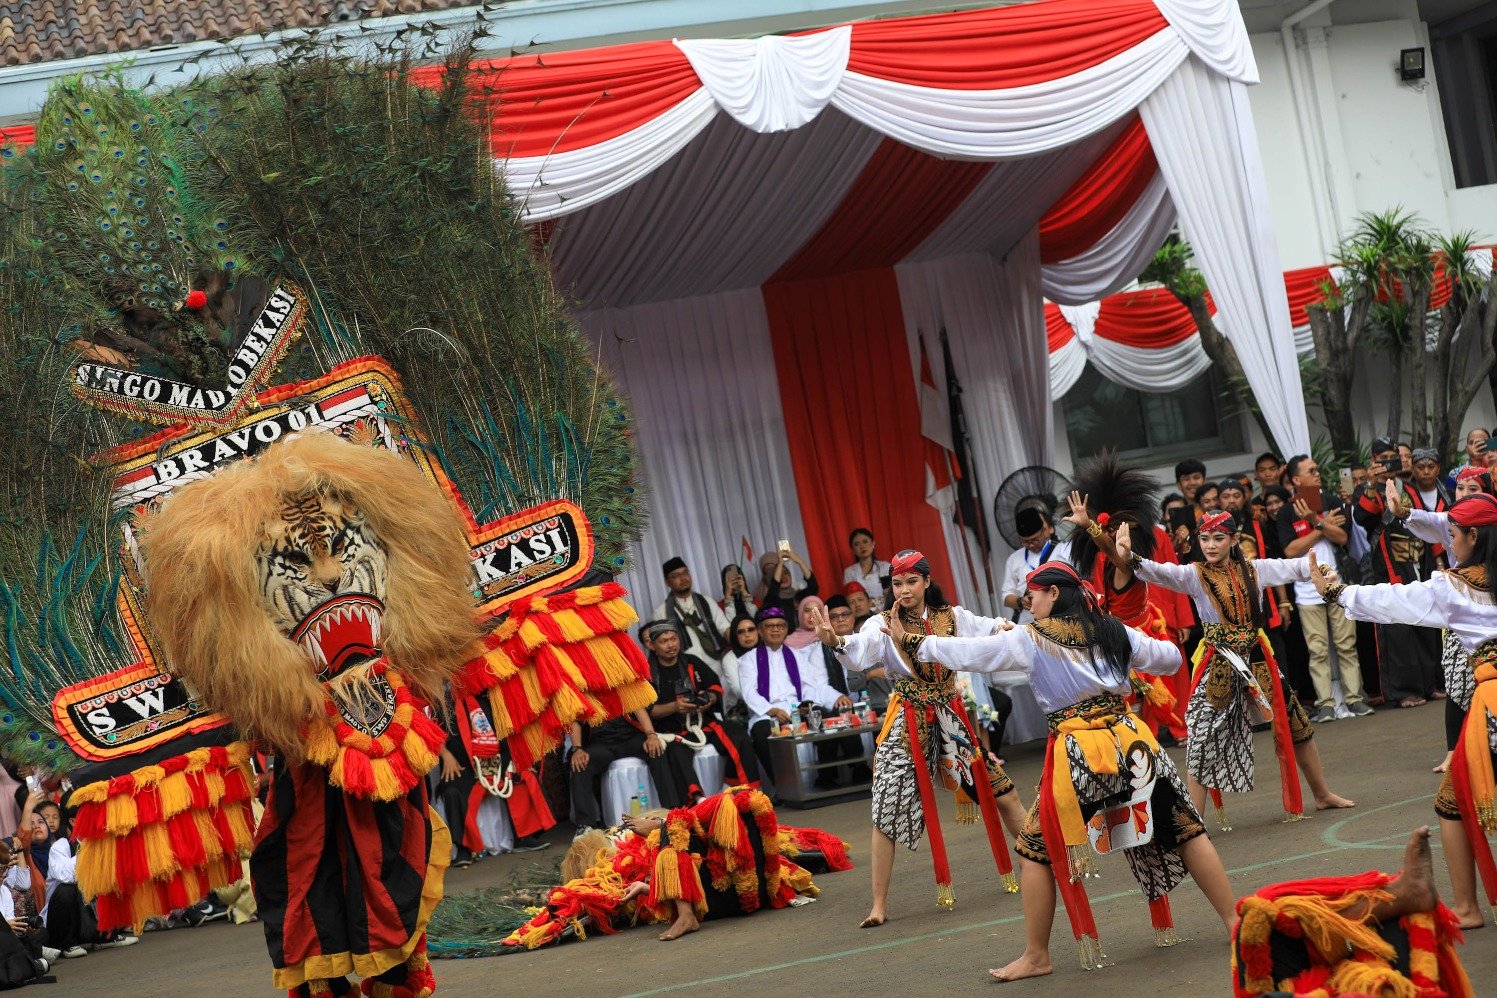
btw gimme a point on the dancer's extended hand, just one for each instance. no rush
(1321, 577)
(1122, 539)
(821, 622)
(1079, 514)
(895, 627)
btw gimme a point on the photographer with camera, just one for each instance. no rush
(687, 687)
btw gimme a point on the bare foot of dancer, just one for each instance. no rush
(1444, 765)
(1470, 918)
(875, 918)
(686, 921)
(1414, 890)
(1331, 801)
(1025, 966)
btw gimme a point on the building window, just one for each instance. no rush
(1150, 426)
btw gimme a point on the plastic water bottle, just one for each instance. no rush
(644, 799)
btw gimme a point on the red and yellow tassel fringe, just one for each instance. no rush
(559, 659)
(160, 837)
(378, 768)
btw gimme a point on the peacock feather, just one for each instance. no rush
(127, 232)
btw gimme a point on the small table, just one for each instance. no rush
(790, 770)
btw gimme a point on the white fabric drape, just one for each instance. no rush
(995, 324)
(710, 433)
(1066, 367)
(1159, 369)
(1215, 33)
(1219, 191)
(773, 83)
(564, 182)
(1015, 121)
(1119, 256)
(664, 238)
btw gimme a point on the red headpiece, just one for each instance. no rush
(1031, 580)
(855, 587)
(1479, 510)
(909, 560)
(1469, 472)
(1216, 521)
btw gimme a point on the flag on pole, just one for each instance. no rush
(942, 471)
(748, 551)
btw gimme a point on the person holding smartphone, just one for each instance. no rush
(1477, 440)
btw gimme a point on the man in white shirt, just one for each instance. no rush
(700, 619)
(1037, 546)
(775, 680)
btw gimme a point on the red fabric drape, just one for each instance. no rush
(1097, 202)
(1003, 47)
(1151, 317)
(1303, 286)
(1058, 331)
(560, 101)
(20, 136)
(852, 417)
(914, 193)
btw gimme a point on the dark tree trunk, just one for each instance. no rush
(1219, 349)
(1336, 363)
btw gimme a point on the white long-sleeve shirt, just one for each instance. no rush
(871, 648)
(1439, 601)
(61, 869)
(782, 692)
(1428, 526)
(1023, 561)
(1060, 675)
(872, 582)
(1185, 579)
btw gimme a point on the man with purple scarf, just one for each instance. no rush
(775, 680)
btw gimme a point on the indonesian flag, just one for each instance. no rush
(941, 468)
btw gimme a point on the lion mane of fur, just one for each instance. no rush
(203, 580)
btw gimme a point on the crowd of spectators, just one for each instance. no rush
(1287, 509)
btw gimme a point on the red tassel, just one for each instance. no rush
(130, 865)
(147, 807)
(187, 844)
(927, 800)
(358, 774)
(1481, 849)
(90, 822)
(1160, 915)
(1073, 892)
(1283, 743)
(175, 894)
(986, 802)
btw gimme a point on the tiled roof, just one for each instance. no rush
(33, 31)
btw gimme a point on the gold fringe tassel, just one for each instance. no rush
(945, 896)
(1011, 882)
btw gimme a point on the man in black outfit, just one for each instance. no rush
(632, 736)
(687, 686)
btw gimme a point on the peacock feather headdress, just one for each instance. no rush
(148, 233)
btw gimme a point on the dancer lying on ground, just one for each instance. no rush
(1107, 785)
(724, 856)
(1370, 934)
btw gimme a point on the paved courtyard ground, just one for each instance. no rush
(1382, 762)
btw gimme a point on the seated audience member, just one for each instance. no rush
(1037, 545)
(701, 619)
(24, 955)
(737, 600)
(633, 736)
(866, 568)
(743, 636)
(858, 601)
(462, 795)
(775, 586)
(776, 680)
(687, 687)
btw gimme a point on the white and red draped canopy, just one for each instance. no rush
(767, 235)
